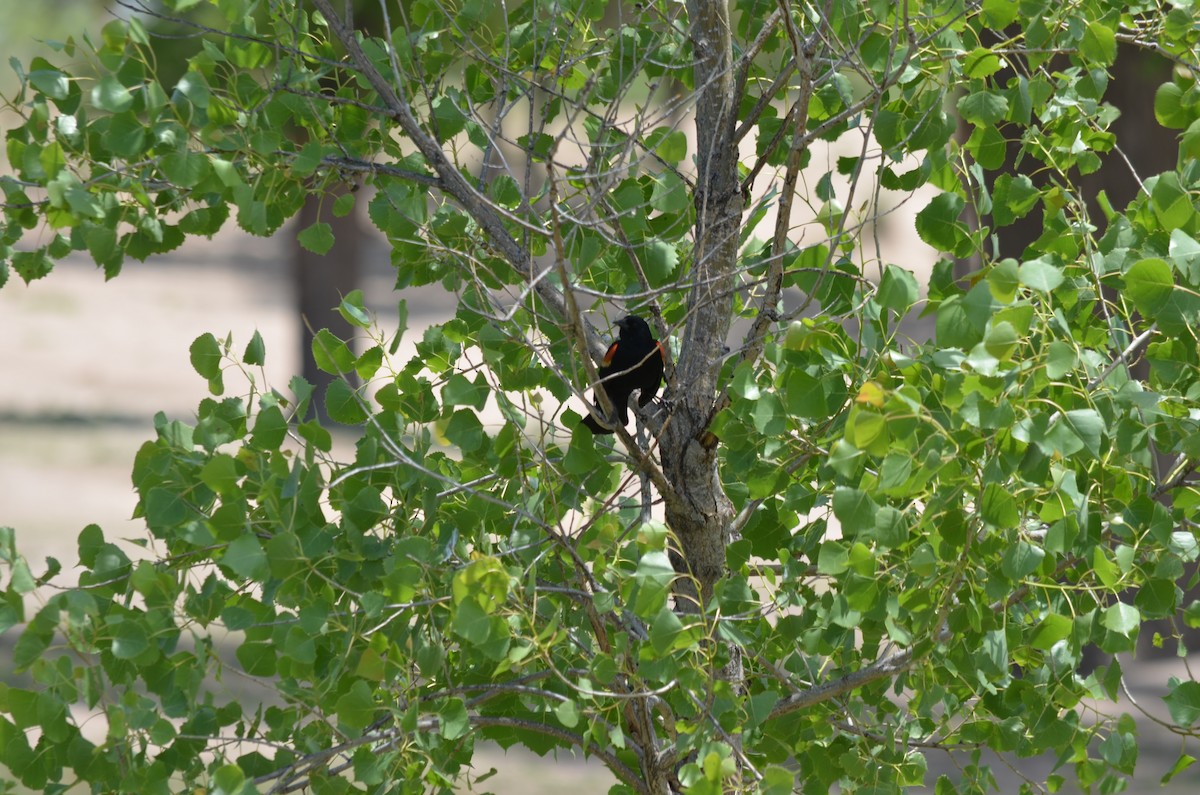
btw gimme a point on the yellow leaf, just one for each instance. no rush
(870, 393)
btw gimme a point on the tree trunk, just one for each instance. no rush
(701, 520)
(321, 281)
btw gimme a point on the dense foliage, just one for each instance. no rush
(918, 540)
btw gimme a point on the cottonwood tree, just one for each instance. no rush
(830, 554)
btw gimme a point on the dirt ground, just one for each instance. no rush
(86, 364)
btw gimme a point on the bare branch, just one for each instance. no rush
(880, 669)
(452, 179)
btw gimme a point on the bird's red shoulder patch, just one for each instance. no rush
(608, 357)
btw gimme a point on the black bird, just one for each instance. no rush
(634, 361)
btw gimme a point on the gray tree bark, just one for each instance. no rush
(689, 455)
(321, 281)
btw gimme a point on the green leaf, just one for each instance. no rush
(1099, 43)
(1021, 559)
(998, 507)
(165, 509)
(1149, 284)
(999, 14)
(126, 136)
(256, 351)
(1001, 340)
(938, 224)
(483, 580)
(983, 107)
(659, 260)
(988, 146)
(49, 80)
(1060, 359)
(130, 640)
(185, 169)
(759, 707)
(228, 780)
(461, 391)
(108, 94)
(1122, 619)
(962, 320)
(671, 145)
(1191, 615)
(205, 221)
(472, 623)
(1106, 571)
(1181, 764)
(356, 707)
(1171, 201)
(488, 634)
(1183, 701)
(665, 628)
(22, 579)
(91, 543)
(344, 205)
(898, 289)
(981, 62)
(32, 644)
(449, 117)
(1003, 280)
(317, 238)
(1189, 142)
(582, 456)
(890, 529)
(206, 356)
(332, 354)
(316, 435)
(1157, 598)
(369, 363)
(465, 431)
(1052, 629)
(454, 720)
(1185, 254)
(31, 265)
(270, 429)
(505, 191)
(652, 581)
(245, 557)
(343, 404)
(1040, 275)
(866, 430)
(67, 193)
(993, 656)
(670, 194)
(1168, 107)
(353, 311)
(855, 510)
(833, 558)
(102, 243)
(12, 611)
(220, 473)
(257, 658)
(1088, 425)
(1017, 196)
(52, 159)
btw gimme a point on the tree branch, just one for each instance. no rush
(452, 180)
(880, 669)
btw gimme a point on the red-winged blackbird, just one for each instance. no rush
(634, 361)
